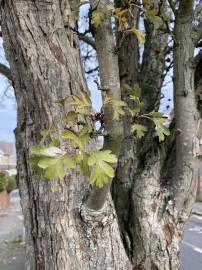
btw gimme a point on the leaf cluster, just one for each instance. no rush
(51, 160)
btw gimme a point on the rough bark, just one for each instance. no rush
(165, 188)
(150, 79)
(153, 202)
(60, 233)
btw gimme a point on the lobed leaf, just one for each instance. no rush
(162, 132)
(139, 130)
(139, 34)
(102, 171)
(97, 18)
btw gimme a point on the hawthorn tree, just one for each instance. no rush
(124, 206)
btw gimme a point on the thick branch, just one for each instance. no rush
(185, 12)
(109, 77)
(153, 66)
(4, 70)
(185, 108)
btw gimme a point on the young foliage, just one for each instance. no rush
(102, 171)
(139, 130)
(117, 107)
(139, 34)
(52, 161)
(120, 13)
(159, 120)
(97, 18)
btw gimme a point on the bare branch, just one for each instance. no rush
(109, 78)
(172, 6)
(198, 9)
(87, 40)
(197, 33)
(4, 70)
(92, 70)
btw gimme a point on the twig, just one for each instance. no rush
(5, 71)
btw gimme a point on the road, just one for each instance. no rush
(191, 250)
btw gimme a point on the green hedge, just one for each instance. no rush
(7, 182)
(11, 183)
(3, 181)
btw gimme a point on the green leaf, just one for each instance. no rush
(55, 171)
(70, 118)
(138, 105)
(139, 130)
(108, 170)
(117, 107)
(110, 7)
(157, 117)
(55, 166)
(44, 132)
(162, 132)
(54, 142)
(97, 18)
(139, 34)
(152, 16)
(82, 160)
(98, 156)
(156, 114)
(98, 177)
(46, 162)
(120, 13)
(102, 171)
(69, 162)
(137, 90)
(69, 134)
(82, 104)
(46, 151)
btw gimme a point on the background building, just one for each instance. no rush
(7, 160)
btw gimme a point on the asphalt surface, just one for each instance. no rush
(191, 249)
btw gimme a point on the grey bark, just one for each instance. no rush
(110, 85)
(153, 224)
(150, 78)
(165, 188)
(60, 232)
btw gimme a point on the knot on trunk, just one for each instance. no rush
(101, 218)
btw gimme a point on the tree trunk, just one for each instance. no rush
(150, 79)
(61, 233)
(165, 187)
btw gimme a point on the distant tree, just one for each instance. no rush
(69, 223)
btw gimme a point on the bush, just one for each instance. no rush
(3, 181)
(11, 183)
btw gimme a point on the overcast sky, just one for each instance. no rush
(7, 106)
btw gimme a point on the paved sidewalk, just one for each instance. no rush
(11, 245)
(197, 209)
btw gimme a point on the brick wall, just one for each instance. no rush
(4, 199)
